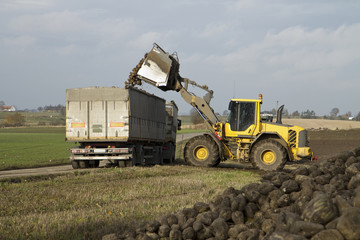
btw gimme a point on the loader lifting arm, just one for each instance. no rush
(161, 69)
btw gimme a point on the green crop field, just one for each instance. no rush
(32, 147)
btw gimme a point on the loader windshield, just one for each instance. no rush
(242, 115)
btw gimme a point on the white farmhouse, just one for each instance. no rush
(7, 109)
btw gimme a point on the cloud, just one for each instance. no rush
(145, 40)
(242, 4)
(315, 49)
(17, 5)
(299, 49)
(72, 22)
(213, 30)
(65, 31)
(19, 41)
(67, 50)
(52, 22)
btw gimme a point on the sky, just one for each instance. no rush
(304, 54)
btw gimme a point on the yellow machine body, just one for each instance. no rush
(244, 128)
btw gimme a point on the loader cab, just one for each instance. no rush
(244, 118)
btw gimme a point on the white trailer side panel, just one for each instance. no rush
(114, 114)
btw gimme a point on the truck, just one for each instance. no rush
(122, 126)
(244, 137)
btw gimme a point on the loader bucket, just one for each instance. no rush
(160, 69)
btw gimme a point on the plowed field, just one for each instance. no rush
(325, 143)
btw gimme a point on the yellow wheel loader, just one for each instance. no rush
(243, 137)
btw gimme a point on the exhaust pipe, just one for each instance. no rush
(279, 114)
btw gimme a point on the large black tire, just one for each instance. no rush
(268, 155)
(202, 151)
(94, 164)
(139, 155)
(84, 164)
(170, 157)
(75, 164)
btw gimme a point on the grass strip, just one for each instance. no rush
(102, 201)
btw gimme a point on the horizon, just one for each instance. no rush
(302, 54)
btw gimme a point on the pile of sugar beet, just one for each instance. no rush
(318, 202)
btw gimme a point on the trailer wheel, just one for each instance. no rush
(268, 155)
(173, 155)
(75, 164)
(169, 153)
(94, 164)
(202, 151)
(139, 155)
(84, 164)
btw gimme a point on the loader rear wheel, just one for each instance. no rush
(202, 151)
(268, 155)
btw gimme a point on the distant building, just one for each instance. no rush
(7, 109)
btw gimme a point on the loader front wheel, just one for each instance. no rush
(268, 155)
(202, 151)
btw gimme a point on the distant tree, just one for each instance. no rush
(50, 108)
(295, 114)
(2, 103)
(334, 112)
(14, 120)
(62, 111)
(195, 117)
(285, 113)
(357, 118)
(226, 112)
(346, 116)
(308, 114)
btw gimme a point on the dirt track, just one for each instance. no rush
(324, 143)
(35, 171)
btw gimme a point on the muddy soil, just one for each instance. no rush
(326, 143)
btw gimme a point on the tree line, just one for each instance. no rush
(17, 119)
(333, 115)
(308, 114)
(50, 108)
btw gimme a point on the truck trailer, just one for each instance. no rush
(124, 126)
